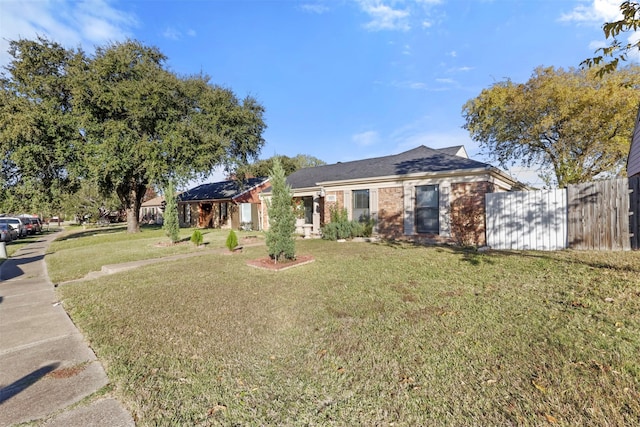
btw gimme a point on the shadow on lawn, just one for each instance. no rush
(475, 257)
(108, 229)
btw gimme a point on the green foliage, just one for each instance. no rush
(280, 238)
(340, 227)
(574, 124)
(289, 164)
(617, 51)
(40, 142)
(88, 203)
(171, 222)
(196, 237)
(232, 240)
(120, 117)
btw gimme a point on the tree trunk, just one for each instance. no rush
(132, 199)
(133, 226)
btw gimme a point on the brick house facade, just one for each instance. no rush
(422, 194)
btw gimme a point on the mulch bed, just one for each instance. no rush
(267, 263)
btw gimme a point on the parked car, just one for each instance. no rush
(15, 233)
(36, 224)
(5, 233)
(17, 224)
(28, 224)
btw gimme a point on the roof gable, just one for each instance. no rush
(223, 190)
(420, 159)
(633, 161)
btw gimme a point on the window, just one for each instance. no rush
(427, 209)
(308, 210)
(245, 212)
(361, 205)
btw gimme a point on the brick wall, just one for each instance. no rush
(468, 212)
(390, 212)
(339, 203)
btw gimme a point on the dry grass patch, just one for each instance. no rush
(372, 334)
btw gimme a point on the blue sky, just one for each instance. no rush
(340, 79)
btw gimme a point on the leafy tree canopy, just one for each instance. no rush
(610, 56)
(146, 125)
(119, 118)
(40, 141)
(572, 123)
(288, 164)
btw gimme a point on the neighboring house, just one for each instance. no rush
(151, 211)
(633, 161)
(225, 204)
(410, 195)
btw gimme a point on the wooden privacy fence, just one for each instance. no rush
(600, 215)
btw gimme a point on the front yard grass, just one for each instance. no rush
(81, 251)
(370, 334)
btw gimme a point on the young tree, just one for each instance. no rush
(143, 123)
(617, 50)
(280, 238)
(171, 223)
(571, 122)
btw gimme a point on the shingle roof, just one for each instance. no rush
(420, 159)
(223, 190)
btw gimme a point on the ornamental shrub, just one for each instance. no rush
(341, 228)
(171, 223)
(280, 238)
(196, 237)
(232, 240)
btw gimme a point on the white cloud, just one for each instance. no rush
(406, 50)
(463, 69)
(397, 15)
(596, 11)
(446, 81)
(453, 54)
(384, 17)
(314, 8)
(366, 138)
(172, 34)
(410, 85)
(71, 23)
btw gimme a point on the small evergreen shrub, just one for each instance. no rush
(196, 237)
(232, 240)
(171, 224)
(280, 238)
(341, 228)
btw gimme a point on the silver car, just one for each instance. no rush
(17, 225)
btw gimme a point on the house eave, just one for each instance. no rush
(406, 177)
(249, 189)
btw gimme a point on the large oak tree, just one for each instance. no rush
(146, 125)
(129, 122)
(40, 144)
(569, 122)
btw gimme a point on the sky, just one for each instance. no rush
(340, 80)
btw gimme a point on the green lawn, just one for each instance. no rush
(368, 334)
(81, 251)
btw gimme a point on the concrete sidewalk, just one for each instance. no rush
(46, 367)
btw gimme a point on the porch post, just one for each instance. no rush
(316, 215)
